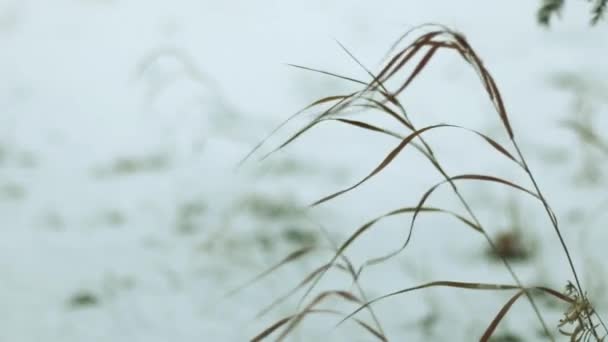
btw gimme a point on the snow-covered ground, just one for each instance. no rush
(123, 217)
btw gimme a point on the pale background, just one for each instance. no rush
(122, 217)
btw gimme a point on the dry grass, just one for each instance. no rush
(375, 96)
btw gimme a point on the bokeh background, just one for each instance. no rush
(124, 217)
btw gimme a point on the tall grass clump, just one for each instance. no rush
(402, 67)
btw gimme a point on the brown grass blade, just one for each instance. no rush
(293, 256)
(497, 146)
(555, 294)
(320, 297)
(373, 331)
(468, 54)
(457, 284)
(487, 79)
(300, 285)
(341, 104)
(391, 156)
(423, 62)
(381, 106)
(503, 311)
(423, 200)
(399, 211)
(341, 250)
(351, 270)
(367, 126)
(356, 60)
(467, 286)
(376, 103)
(268, 331)
(435, 26)
(425, 149)
(484, 178)
(271, 329)
(346, 78)
(500, 105)
(466, 51)
(434, 46)
(374, 128)
(386, 161)
(285, 122)
(410, 51)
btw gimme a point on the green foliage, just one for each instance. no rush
(83, 299)
(126, 166)
(551, 8)
(548, 9)
(599, 8)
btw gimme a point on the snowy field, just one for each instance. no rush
(123, 216)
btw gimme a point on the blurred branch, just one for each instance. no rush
(552, 8)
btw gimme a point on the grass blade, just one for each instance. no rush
(503, 311)
(423, 200)
(293, 256)
(320, 297)
(385, 162)
(442, 283)
(268, 331)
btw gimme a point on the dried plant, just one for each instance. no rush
(376, 97)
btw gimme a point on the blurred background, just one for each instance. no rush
(124, 217)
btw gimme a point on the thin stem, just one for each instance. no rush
(352, 272)
(489, 240)
(377, 85)
(555, 224)
(433, 159)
